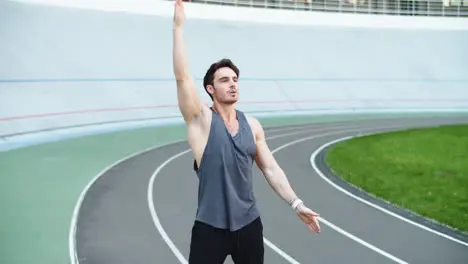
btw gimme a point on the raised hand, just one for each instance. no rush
(178, 13)
(309, 217)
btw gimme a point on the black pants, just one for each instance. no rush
(210, 245)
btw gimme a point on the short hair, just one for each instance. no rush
(209, 76)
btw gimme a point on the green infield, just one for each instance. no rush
(424, 170)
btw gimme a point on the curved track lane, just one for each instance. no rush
(142, 209)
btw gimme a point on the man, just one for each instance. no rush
(225, 143)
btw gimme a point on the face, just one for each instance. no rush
(225, 87)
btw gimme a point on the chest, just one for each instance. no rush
(232, 138)
(232, 127)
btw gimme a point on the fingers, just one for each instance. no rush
(313, 223)
(310, 218)
(317, 226)
(314, 226)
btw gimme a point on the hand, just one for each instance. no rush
(178, 13)
(309, 217)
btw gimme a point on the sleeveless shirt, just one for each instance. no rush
(225, 191)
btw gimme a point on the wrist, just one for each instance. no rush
(295, 203)
(299, 207)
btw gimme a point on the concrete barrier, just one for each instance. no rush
(63, 67)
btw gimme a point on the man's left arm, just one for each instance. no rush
(277, 179)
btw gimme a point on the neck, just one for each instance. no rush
(227, 112)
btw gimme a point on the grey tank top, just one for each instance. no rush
(225, 191)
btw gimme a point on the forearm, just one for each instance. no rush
(180, 62)
(187, 94)
(280, 184)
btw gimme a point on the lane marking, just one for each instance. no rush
(314, 166)
(280, 252)
(159, 226)
(72, 233)
(328, 223)
(74, 220)
(154, 214)
(362, 242)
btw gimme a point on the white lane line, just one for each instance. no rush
(306, 126)
(154, 214)
(331, 225)
(314, 166)
(280, 252)
(166, 237)
(362, 242)
(72, 232)
(159, 226)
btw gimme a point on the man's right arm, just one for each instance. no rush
(188, 99)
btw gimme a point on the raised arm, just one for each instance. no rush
(188, 99)
(277, 179)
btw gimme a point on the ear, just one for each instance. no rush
(210, 89)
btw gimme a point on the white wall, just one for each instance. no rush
(70, 67)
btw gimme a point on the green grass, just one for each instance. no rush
(39, 185)
(424, 170)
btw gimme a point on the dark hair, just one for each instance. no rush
(209, 76)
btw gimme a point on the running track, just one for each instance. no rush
(141, 209)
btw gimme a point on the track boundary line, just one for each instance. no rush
(154, 214)
(290, 259)
(328, 223)
(159, 226)
(76, 210)
(74, 219)
(373, 205)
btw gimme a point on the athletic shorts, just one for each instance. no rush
(210, 245)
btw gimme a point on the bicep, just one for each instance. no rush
(188, 99)
(264, 157)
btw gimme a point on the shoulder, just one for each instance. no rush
(203, 119)
(255, 126)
